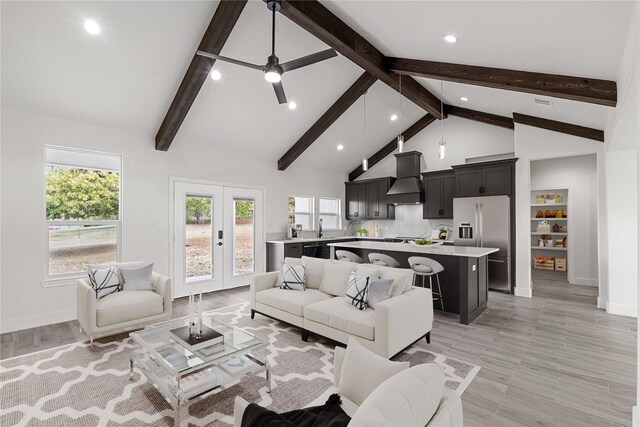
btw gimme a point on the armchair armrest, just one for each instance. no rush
(162, 285)
(449, 412)
(260, 282)
(403, 319)
(86, 306)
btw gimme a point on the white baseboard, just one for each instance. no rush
(602, 303)
(27, 322)
(585, 281)
(636, 417)
(622, 309)
(520, 291)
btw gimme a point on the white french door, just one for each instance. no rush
(244, 248)
(218, 237)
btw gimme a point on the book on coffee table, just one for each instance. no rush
(208, 337)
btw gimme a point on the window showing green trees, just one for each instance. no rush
(82, 194)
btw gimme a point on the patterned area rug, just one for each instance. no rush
(85, 385)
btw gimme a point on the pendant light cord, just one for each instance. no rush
(441, 113)
(400, 95)
(364, 126)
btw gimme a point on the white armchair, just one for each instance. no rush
(125, 310)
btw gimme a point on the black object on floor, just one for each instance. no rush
(328, 415)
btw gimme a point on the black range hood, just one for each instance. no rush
(407, 190)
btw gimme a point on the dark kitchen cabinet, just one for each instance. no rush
(293, 250)
(368, 199)
(494, 178)
(439, 190)
(356, 195)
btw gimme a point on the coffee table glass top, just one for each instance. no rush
(180, 360)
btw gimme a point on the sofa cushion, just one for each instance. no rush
(315, 271)
(336, 276)
(124, 306)
(290, 261)
(357, 293)
(339, 314)
(290, 301)
(409, 398)
(363, 371)
(402, 279)
(368, 270)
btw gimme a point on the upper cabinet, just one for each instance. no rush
(368, 199)
(439, 190)
(485, 179)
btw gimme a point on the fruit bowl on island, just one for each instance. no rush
(424, 242)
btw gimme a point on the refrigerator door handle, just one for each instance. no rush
(500, 261)
(475, 226)
(481, 221)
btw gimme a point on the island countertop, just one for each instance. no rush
(459, 251)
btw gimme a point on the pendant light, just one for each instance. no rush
(400, 137)
(365, 162)
(442, 146)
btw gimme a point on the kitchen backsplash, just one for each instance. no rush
(408, 222)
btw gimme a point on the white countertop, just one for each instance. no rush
(320, 239)
(463, 251)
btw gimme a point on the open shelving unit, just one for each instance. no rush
(558, 253)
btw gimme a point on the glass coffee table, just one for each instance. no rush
(182, 375)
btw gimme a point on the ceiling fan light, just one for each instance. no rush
(272, 76)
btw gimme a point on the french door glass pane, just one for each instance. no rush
(73, 247)
(243, 235)
(199, 237)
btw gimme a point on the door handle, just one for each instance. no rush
(499, 261)
(219, 243)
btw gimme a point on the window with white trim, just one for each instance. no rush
(329, 213)
(83, 193)
(301, 211)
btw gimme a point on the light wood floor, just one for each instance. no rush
(551, 360)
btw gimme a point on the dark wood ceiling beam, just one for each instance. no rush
(355, 91)
(319, 21)
(479, 116)
(562, 127)
(409, 133)
(223, 21)
(595, 91)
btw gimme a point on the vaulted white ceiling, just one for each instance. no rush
(127, 76)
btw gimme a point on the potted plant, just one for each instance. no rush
(362, 232)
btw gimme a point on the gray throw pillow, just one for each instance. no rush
(379, 290)
(137, 278)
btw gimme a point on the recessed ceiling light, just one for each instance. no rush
(340, 147)
(215, 75)
(91, 27)
(464, 98)
(292, 105)
(394, 117)
(450, 38)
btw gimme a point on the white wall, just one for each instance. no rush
(578, 174)
(25, 302)
(465, 139)
(539, 144)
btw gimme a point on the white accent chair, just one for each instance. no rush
(125, 310)
(397, 402)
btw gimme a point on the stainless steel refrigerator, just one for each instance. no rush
(484, 222)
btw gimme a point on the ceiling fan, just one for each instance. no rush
(273, 70)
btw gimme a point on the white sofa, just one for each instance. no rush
(397, 402)
(125, 310)
(392, 326)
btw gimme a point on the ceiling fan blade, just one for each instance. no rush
(308, 60)
(282, 99)
(230, 60)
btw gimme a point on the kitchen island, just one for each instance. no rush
(464, 281)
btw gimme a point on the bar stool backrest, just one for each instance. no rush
(382, 259)
(348, 256)
(424, 265)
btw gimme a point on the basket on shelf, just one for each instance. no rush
(544, 263)
(561, 264)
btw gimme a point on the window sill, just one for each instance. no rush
(61, 281)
